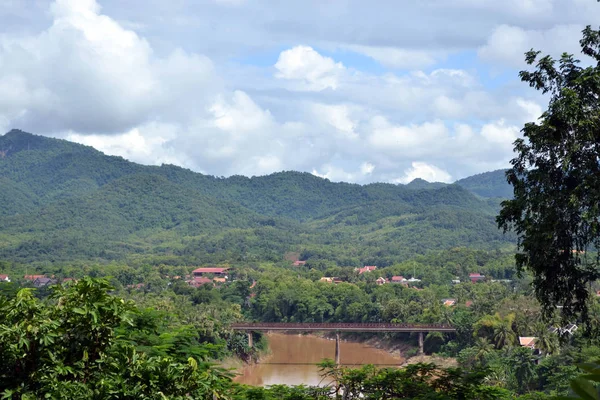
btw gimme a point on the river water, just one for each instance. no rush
(293, 358)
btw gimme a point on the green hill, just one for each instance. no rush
(62, 201)
(488, 184)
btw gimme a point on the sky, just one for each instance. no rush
(350, 90)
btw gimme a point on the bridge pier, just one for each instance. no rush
(421, 346)
(337, 348)
(249, 333)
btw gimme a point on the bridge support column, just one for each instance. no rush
(337, 348)
(421, 347)
(249, 339)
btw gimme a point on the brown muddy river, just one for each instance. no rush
(293, 358)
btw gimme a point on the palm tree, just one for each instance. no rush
(523, 367)
(546, 341)
(504, 335)
(499, 328)
(483, 347)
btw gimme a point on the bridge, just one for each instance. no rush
(341, 327)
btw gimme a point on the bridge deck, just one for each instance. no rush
(342, 327)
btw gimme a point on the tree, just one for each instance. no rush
(523, 365)
(546, 341)
(499, 328)
(556, 181)
(68, 349)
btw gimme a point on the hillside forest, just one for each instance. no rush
(99, 301)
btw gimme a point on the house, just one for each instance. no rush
(198, 272)
(449, 302)
(381, 281)
(219, 280)
(41, 282)
(366, 268)
(476, 277)
(398, 279)
(413, 280)
(33, 277)
(456, 280)
(298, 263)
(326, 279)
(4, 278)
(136, 286)
(199, 281)
(527, 341)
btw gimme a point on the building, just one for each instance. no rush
(413, 280)
(4, 278)
(527, 341)
(199, 281)
(381, 281)
(366, 268)
(33, 277)
(219, 280)
(476, 277)
(456, 280)
(398, 279)
(39, 281)
(198, 272)
(449, 302)
(327, 279)
(298, 263)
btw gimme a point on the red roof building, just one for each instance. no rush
(367, 268)
(449, 302)
(398, 279)
(199, 281)
(476, 277)
(4, 278)
(527, 341)
(33, 277)
(216, 271)
(298, 263)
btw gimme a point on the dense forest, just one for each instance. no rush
(64, 202)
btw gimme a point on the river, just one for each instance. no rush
(293, 360)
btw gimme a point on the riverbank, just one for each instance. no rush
(396, 348)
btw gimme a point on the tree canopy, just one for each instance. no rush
(556, 180)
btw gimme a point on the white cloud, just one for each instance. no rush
(367, 168)
(397, 57)
(206, 84)
(304, 64)
(339, 117)
(508, 44)
(425, 171)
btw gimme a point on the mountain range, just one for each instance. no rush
(65, 202)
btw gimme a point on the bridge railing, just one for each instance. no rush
(333, 326)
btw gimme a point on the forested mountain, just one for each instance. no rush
(488, 184)
(64, 201)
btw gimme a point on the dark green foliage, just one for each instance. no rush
(556, 179)
(68, 349)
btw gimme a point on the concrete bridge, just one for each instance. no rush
(341, 327)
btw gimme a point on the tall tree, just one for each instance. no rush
(556, 180)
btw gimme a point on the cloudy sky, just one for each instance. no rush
(351, 90)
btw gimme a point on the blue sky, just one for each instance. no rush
(349, 90)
